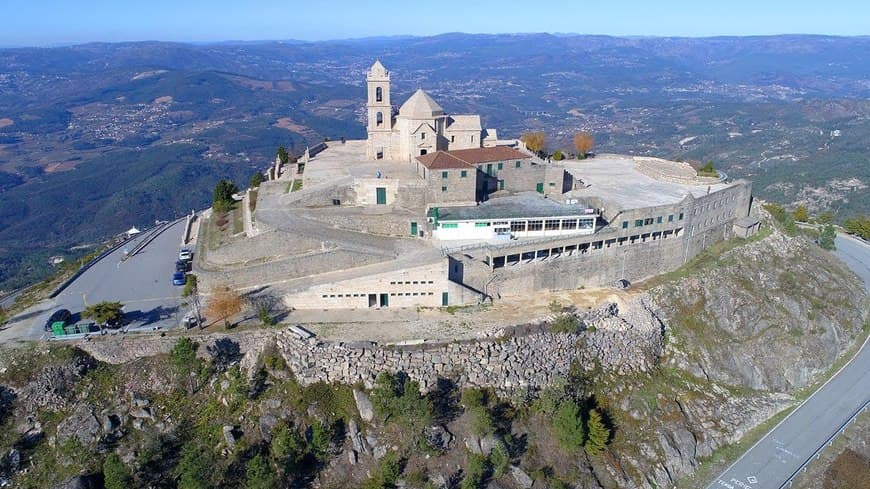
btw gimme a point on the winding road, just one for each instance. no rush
(771, 463)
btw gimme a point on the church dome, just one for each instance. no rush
(420, 106)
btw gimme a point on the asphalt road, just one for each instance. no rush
(770, 463)
(143, 283)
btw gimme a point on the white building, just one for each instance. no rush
(520, 216)
(420, 127)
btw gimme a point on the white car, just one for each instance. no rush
(185, 254)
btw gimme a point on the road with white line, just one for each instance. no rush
(772, 461)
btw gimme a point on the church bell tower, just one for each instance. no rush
(380, 115)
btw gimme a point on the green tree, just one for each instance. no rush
(259, 475)
(116, 475)
(826, 237)
(801, 214)
(185, 363)
(222, 200)
(599, 433)
(256, 180)
(568, 426)
(858, 225)
(104, 312)
(264, 316)
(558, 155)
(282, 155)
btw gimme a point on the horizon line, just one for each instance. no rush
(66, 44)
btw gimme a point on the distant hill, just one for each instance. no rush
(95, 138)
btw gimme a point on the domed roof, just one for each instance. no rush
(420, 106)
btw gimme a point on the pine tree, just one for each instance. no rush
(598, 433)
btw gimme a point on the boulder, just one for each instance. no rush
(230, 436)
(364, 406)
(267, 425)
(356, 438)
(438, 437)
(521, 477)
(82, 425)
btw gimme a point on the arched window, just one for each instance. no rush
(379, 119)
(379, 94)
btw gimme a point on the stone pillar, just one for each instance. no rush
(276, 172)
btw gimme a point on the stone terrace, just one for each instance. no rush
(618, 180)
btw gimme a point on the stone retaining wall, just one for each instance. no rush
(621, 342)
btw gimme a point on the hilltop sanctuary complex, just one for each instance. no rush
(432, 210)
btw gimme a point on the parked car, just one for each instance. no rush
(190, 320)
(61, 315)
(117, 322)
(182, 266)
(178, 278)
(185, 254)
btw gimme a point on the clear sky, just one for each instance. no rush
(49, 22)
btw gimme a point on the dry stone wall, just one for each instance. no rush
(531, 357)
(621, 344)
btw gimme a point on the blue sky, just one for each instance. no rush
(49, 22)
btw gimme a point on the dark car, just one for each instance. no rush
(178, 278)
(182, 266)
(59, 316)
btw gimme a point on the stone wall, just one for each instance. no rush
(619, 343)
(623, 341)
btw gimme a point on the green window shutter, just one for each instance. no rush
(444, 174)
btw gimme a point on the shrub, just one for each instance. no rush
(500, 459)
(568, 426)
(116, 475)
(287, 449)
(256, 180)
(258, 474)
(475, 472)
(565, 323)
(558, 156)
(189, 286)
(320, 441)
(397, 397)
(264, 316)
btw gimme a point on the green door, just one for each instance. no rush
(382, 195)
(501, 184)
(444, 299)
(385, 300)
(413, 228)
(540, 187)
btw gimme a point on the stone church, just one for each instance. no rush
(420, 127)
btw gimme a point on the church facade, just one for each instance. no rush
(419, 127)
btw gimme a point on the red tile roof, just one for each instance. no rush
(463, 158)
(442, 160)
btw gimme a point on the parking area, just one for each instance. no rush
(142, 283)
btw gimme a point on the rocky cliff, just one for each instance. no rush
(688, 365)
